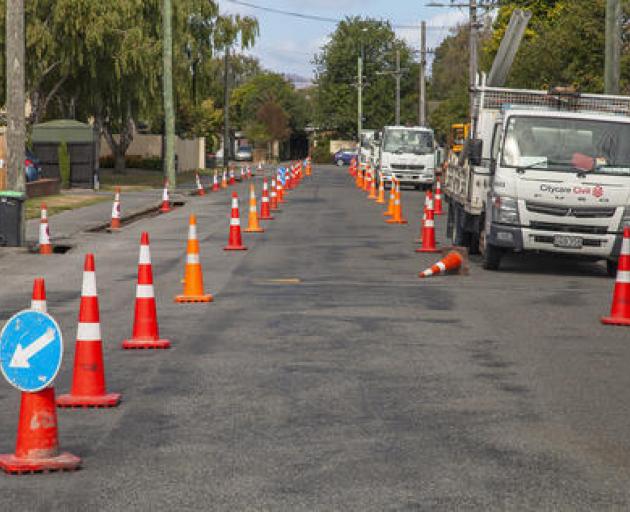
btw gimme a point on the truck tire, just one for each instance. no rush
(492, 257)
(611, 268)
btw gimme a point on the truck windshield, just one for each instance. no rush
(408, 141)
(552, 143)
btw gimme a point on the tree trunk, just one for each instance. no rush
(119, 147)
(119, 160)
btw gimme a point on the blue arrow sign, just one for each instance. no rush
(31, 348)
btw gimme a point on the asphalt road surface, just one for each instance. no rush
(327, 376)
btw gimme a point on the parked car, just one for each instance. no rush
(344, 156)
(32, 166)
(244, 154)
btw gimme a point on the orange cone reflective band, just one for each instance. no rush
(166, 204)
(452, 261)
(115, 222)
(200, 190)
(88, 380)
(45, 247)
(397, 217)
(146, 333)
(392, 199)
(37, 442)
(253, 226)
(224, 183)
(235, 242)
(438, 198)
(273, 199)
(215, 183)
(265, 207)
(193, 275)
(620, 310)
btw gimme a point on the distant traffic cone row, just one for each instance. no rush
(146, 333)
(45, 247)
(193, 275)
(235, 241)
(620, 309)
(88, 380)
(253, 226)
(451, 262)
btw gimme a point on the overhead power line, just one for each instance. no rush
(325, 19)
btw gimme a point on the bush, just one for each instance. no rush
(134, 162)
(64, 164)
(321, 154)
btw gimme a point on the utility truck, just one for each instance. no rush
(543, 171)
(407, 154)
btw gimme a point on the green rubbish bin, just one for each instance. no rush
(11, 218)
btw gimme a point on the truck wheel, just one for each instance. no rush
(460, 237)
(611, 268)
(492, 257)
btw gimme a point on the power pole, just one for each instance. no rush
(422, 114)
(169, 109)
(360, 96)
(397, 74)
(613, 47)
(472, 65)
(16, 132)
(227, 147)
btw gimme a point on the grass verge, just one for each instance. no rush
(61, 202)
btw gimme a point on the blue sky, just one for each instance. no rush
(287, 44)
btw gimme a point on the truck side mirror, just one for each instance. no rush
(474, 151)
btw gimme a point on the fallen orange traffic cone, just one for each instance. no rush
(215, 182)
(397, 217)
(115, 222)
(620, 310)
(392, 199)
(235, 242)
(166, 204)
(45, 247)
(438, 198)
(452, 261)
(253, 226)
(265, 207)
(193, 275)
(88, 380)
(146, 333)
(200, 190)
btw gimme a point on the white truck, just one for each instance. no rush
(543, 171)
(408, 154)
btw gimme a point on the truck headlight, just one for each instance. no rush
(505, 210)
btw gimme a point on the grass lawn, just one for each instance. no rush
(61, 202)
(140, 179)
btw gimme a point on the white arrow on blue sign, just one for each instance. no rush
(31, 348)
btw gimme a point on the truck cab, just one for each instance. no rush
(408, 154)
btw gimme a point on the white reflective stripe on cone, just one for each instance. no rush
(427, 272)
(145, 255)
(265, 199)
(235, 222)
(115, 214)
(625, 247)
(89, 284)
(38, 305)
(441, 266)
(234, 203)
(89, 332)
(165, 195)
(44, 214)
(43, 234)
(252, 208)
(429, 223)
(192, 232)
(623, 276)
(192, 258)
(145, 291)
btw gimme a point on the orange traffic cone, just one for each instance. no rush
(428, 205)
(359, 180)
(215, 182)
(232, 180)
(45, 247)
(146, 333)
(115, 222)
(620, 310)
(273, 200)
(428, 234)
(438, 198)
(38, 300)
(224, 183)
(166, 204)
(88, 380)
(265, 207)
(367, 180)
(235, 242)
(280, 191)
(392, 199)
(452, 261)
(373, 187)
(200, 190)
(193, 275)
(381, 191)
(253, 226)
(397, 217)
(309, 168)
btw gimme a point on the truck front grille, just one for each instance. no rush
(569, 228)
(403, 167)
(580, 212)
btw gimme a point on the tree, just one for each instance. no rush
(336, 77)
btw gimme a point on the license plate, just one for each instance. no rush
(567, 242)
